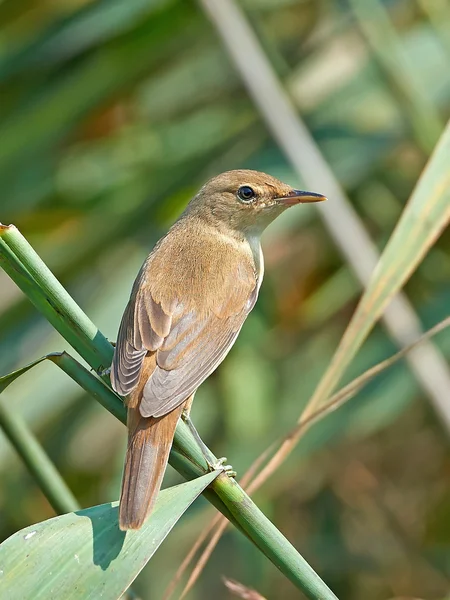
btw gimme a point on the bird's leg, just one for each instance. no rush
(212, 462)
(208, 455)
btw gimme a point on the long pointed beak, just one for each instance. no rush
(299, 197)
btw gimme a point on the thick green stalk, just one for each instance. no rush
(47, 294)
(38, 463)
(26, 268)
(270, 540)
(254, 524)
(91, 384)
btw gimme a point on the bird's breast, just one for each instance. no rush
(204, 268)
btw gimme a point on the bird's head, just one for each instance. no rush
(246, 201)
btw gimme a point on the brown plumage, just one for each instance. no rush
(187, 306)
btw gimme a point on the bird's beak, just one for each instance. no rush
(299, 197)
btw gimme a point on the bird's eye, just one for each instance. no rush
(246, 193)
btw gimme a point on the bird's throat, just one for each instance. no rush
(255, 245)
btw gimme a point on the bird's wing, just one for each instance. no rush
(189, 343)
(143, 329)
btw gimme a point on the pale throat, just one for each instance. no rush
(254, 241)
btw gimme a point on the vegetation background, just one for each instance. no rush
(112, 115)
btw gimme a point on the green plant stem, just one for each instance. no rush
(270, 540)
(91, 384)
(38, 463)
(47, 294)
(244, 514)
(25, 267)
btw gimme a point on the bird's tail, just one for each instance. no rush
(149, 443)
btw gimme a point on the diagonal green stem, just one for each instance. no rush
(29, 272)
(38, 283)
(38, 463)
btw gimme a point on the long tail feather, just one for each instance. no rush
(148, 451)
(149, 443)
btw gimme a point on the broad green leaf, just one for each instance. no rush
(84, 554)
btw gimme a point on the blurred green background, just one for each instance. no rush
(112, 115)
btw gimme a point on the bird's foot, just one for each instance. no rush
(219, 465)
(214, 464)
(104, 372)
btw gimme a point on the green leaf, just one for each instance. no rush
(84, 554)
(8, 379)
(85, 379)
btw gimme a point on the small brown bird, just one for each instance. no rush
(187, 306)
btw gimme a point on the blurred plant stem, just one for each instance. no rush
(380, 33)
(38, 463)
(241, 591)
(29, 272)
(438, 13)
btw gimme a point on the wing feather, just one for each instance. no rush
(143, 329)
(190, 335)
(167, 388)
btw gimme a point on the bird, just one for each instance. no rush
(186, 309)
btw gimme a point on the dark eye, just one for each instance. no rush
(246, 193)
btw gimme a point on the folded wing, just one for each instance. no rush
(189, 342)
